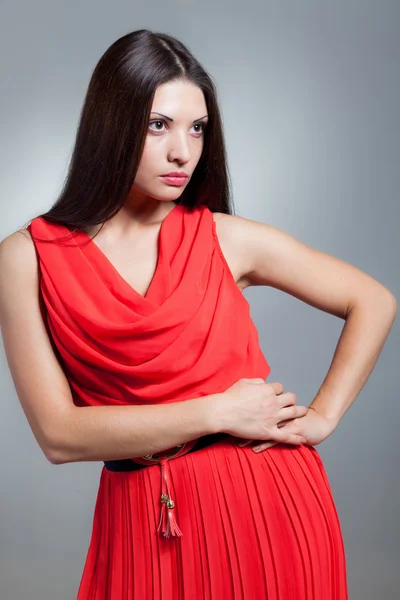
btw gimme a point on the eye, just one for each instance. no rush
(202, 125)
(157, 122)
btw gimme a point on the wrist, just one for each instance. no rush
(332, 419)
(217, 414)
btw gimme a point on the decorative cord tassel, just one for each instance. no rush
(168, 521)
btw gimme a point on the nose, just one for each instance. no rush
(179, 148)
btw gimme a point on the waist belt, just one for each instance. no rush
(167, 523)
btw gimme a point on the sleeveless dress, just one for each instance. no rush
(255, 526)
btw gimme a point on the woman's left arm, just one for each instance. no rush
(271, 257)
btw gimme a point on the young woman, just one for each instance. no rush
(130, 342)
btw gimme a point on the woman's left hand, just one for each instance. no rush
(313, 426)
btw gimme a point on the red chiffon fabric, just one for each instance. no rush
(255, 526)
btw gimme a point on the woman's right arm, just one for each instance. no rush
(65, 432)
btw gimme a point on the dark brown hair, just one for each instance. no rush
(114, 123)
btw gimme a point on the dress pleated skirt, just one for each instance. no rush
(255, 527)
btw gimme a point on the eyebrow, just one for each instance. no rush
(170, 119)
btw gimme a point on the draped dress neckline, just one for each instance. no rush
(191, 334)
(102, 259)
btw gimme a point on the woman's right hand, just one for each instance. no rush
(252, 409)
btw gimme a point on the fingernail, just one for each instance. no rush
(256, 448)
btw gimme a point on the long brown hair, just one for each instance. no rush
(113, 126)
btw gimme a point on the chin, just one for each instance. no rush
(169, 194)
(159, 192)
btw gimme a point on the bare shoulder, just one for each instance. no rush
(252, 237)
(240, 227)
(226, 223)
(16, 246)
(40, 382)
(18, 263)
(231, 230)
(267, 255)
(19, 272)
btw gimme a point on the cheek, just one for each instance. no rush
(199, 150)
(149, 161)
(151, 147)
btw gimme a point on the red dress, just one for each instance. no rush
(255, 526)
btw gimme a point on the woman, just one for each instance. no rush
(125, 298)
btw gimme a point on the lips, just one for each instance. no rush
(179, 174)
(175, 178)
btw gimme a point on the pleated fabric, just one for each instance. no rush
(255, 526)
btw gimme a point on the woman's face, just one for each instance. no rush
(174, 142)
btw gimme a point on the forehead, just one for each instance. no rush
(179, 99)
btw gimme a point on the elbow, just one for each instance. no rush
(58, 442)
(55, 456)
(390, 304)
(379, 297)
(56, 451)
(53, 459)
(394, 304)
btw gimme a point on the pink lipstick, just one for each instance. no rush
(175, 178)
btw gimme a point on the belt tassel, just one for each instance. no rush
(168, 523)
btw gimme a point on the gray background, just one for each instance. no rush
(310, 98)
